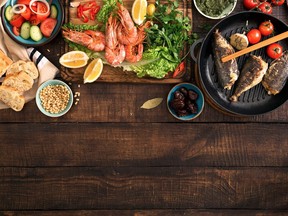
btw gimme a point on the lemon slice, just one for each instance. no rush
(74, 59)
(93, 71)
(139, 10)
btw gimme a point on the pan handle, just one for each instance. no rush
(192, 49)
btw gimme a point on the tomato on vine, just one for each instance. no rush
(265, 7)
(250, 4)
(278, 2)
(254, 36)
(266, 28)
(274, 50)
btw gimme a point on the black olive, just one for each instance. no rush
(182, 112)
(177, 104)
(184, 91)
(178, 95)
(193, 108)
(192, 95)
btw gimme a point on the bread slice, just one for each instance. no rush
(21, 81)
(31, 69)
(28, 67)
(15, 68)
(12, 98)
(5, 62)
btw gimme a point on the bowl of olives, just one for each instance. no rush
(185, 101)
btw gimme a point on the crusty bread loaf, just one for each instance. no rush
(12, 98)
(5, 62)
(28, 67)
(20, 81)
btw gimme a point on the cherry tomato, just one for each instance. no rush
(27, 13)
(17, 20)
(265, 7)
(250, 4)
(47, 26)
(266, 28)
(274, 50)
(254, 36)
(278, 2)
(34, 20)
(16, 30)
(42, 8)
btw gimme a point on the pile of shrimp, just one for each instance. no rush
(122, 39)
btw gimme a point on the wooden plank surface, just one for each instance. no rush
(143, 188)
(144, 145)
(200, 212)
(116, 74)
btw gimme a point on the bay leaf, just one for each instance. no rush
(152, 103)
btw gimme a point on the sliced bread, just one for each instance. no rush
(5, 62)
(12, 98)
(20, 81)
(31, 69)
(15, 68)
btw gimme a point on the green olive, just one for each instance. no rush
(151, 9)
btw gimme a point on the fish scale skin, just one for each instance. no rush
(277, 75)
(251, 75)
(227, 72)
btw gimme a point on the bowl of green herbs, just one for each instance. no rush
(215, 9)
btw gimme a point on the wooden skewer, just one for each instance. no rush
(256, 46)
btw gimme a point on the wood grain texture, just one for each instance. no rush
(100, 102)
(116, 74)
(196, 212)
(142, 145)
(143, 188)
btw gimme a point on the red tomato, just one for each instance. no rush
(266, 28)
(254, 36)
(17, 20)
(16, 30)
(34, 20)
(180, 68)
(26, 2)
(26, 14)
(278, 2)
(42, 8)
(47, 26)
(274, 50)
(250, 4)
(265, 7)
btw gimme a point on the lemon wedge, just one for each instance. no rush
(93, 71)
(74, 59)
(139, 10)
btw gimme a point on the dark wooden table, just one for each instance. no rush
(108, 156)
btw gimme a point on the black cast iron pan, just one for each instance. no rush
(256, 100)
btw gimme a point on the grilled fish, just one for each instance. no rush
(227, 72)
(277, 75)
(252, 74)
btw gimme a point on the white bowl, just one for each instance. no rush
(224, 13)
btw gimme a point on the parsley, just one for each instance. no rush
(108, 7)
(79, 27)
(171, 29)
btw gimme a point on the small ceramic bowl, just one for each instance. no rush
(199, 101)
(228, 10)
(29, 42)
(39, 103)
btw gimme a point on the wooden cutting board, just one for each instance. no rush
(116, 74)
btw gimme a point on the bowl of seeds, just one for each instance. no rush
(54, 98)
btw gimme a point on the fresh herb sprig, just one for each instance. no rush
(80, 27)
(171, 28)
(108, 7)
